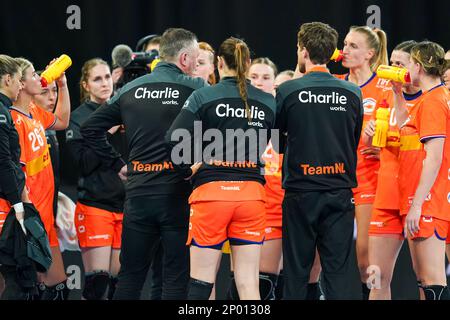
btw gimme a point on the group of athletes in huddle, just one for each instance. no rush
(403, 189)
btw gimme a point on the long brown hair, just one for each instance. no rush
(236, 55)
(376, 40)
(87, 67)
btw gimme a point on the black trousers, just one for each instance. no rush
(323, 219)
(147, 221)
(157, 275)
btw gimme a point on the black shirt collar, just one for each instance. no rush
(167, 65)
(232, 80)
(92, 104)
(5, 100)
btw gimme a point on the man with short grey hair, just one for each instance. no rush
(156, 204)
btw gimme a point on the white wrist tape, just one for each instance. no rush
(18, 207)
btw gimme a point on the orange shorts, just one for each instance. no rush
(213, 222)
(448, 235)
(430, 226)
(386, 222)
(97, 227)
(273, 233)
(364, 197)
(49, 224)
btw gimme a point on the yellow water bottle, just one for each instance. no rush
(397, 74)
(381, 125)
(154, 63)
(337, 56)
(55, 70)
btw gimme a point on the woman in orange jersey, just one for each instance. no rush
(424, 166)
(31, 123)
(262, 74)
(386, 228)
(364, 50)
(446, 75)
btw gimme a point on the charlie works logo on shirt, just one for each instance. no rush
(166, 95)
(333, 98)
(224, 110)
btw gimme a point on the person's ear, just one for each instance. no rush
(183, 59)
(7, 79)
(85, 86)
(370, 54)
(305, 53)
(219, 62)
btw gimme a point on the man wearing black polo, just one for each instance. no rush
(156, 204)
(322, 118)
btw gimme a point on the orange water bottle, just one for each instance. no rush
(397, 74)
(337, 56)
(55, 70)
(381, 125)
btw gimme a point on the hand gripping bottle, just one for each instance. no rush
(397, 74)
(381, 125)
(337, 55)
(55, 70)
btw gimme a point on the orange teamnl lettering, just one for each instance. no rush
(308, 170)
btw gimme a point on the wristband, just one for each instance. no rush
(18, 207)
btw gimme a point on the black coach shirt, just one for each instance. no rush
(12, 178)
(146, 107)
(322, 117)
(237, 141)
(98, 185)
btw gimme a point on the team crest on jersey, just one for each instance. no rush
(369, 105)
(448, 197)
(19, 119)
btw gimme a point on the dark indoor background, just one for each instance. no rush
(37, 30)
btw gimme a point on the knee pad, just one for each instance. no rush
(436, 292)
(57, 292)
(232, 293)
(95, 285)
(365, 291)
(313, 291)
(267, 284)
(199, 290)
(13, 290)
(279, 287)
(112, 287)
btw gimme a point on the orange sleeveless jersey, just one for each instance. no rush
(35, 157)
(274, 191)
(429, 118)
(373, 91)
(387, 195)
